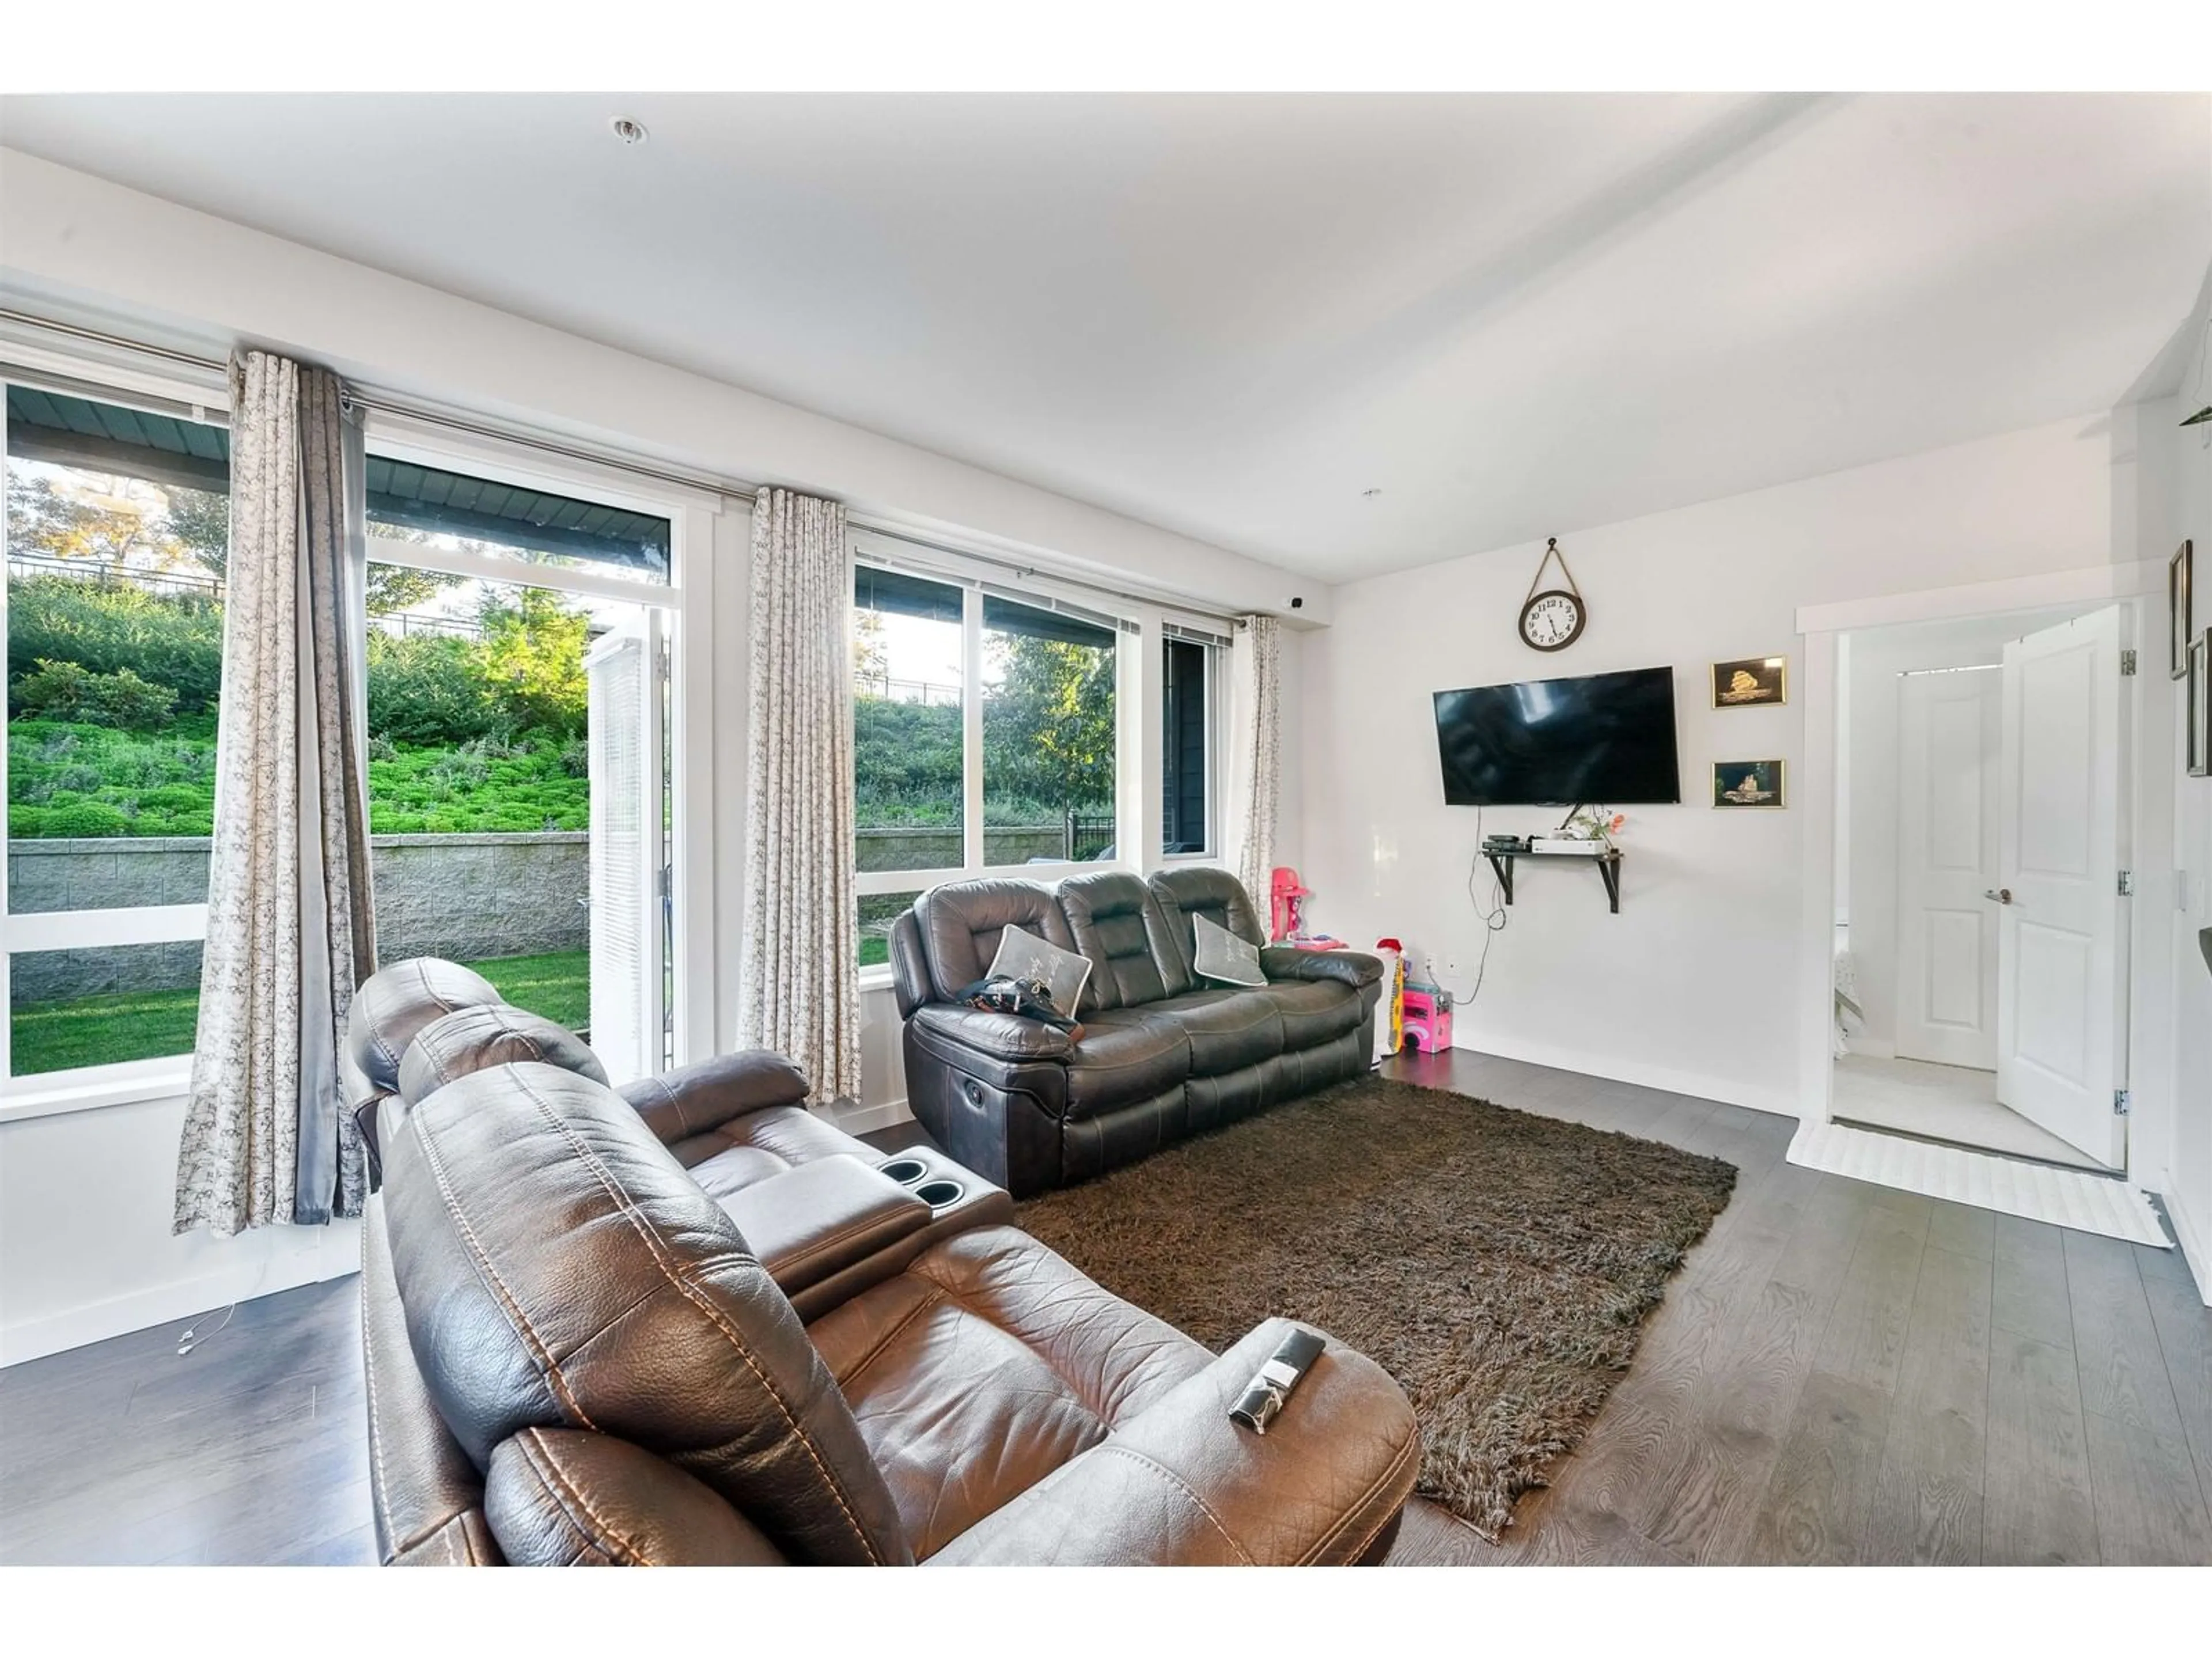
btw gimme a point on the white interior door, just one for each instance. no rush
(2060, 941)
(1946, 859)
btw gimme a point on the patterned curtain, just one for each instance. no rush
(290, 931)
(1256, 752)
(799, 978)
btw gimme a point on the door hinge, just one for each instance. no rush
(2120, 1103)
(2127, 665)
(2127, 883)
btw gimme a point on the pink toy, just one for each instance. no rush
(1428, 1019)
(1287, 916)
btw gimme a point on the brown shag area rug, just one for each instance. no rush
(1497, 1263)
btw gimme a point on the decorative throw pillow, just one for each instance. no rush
(1222, 956)
(1062, 973)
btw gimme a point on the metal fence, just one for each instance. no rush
(195, 584)
(925, 692)
(1089, 835)
(100, 573)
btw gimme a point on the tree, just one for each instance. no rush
(396, 588)
(1049, 722)
(532, 655)
(47, 521)
(871, 657)
(198, 522)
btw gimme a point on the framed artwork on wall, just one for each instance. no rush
(1757, 783)
(2200, 705)
(1751, 682)
(2179, 604)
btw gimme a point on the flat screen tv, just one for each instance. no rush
(1604, 738)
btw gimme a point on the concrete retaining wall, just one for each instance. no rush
(467, 898)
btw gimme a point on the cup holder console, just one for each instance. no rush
(940, 1195)
(905, 1170)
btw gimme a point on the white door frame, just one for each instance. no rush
(2147, 814)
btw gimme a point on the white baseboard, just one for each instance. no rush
(866, 1120)
(334, 1255)
(1783, 1103)
(1872, 1047)
(2192, 1244)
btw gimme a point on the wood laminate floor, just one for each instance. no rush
(1839, 1373)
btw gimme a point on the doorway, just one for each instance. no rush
(1980, 934)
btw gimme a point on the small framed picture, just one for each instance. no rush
(1753, 681)
(1747, 783)
(2200, 705)
(2178, 605)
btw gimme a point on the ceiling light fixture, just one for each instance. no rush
(630, 131)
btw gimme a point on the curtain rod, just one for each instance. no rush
(1166, 601)
(387, 403)
(384, 403)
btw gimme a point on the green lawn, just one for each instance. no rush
(100, 1030)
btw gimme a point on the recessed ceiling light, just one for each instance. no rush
(630, 131)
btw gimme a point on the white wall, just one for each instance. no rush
(85, 1245)
(1693, 985)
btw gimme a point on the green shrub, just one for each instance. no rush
(71, 815)
(428, 688)
(165, 639)
(70, 691)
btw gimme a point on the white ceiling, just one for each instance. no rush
(1515, 315)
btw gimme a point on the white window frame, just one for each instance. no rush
(1138, 804)
(78, 1088)
(683, 609)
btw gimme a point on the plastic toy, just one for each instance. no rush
(1287, 908)
(1390, 1013)
(1428, 1019)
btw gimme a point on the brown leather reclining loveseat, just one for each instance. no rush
(1164, 1055)
(693, 1323)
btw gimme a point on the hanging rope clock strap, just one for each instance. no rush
(1551, 552)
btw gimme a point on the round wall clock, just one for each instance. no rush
(1553, 620)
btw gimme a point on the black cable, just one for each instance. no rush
(1493, 920)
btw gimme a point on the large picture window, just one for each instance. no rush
(518, 777)
(116, 528)
(519, 785)
(990, 733)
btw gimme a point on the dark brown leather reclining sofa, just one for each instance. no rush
(691, 1323)
(1163, 1054)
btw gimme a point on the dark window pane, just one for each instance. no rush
(71, 1008)
(1183, 721)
